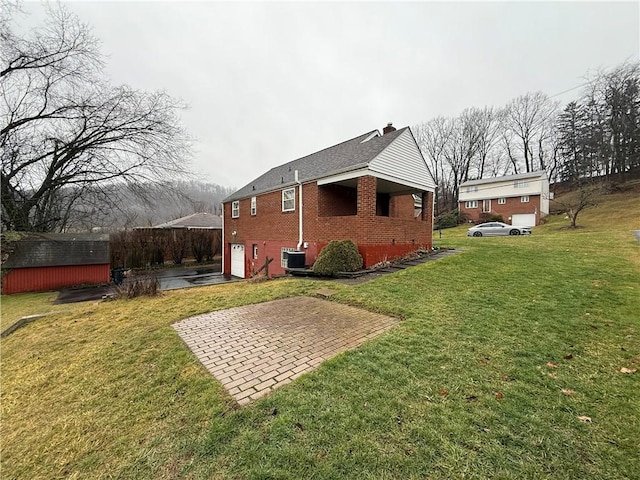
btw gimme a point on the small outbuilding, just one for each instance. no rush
(39, 262)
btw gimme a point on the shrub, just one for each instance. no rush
(338, 256)
(490, 217)
(449, 220)
(139, 287)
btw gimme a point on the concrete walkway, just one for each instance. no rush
(254, 349)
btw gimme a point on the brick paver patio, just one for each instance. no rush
(254, 349)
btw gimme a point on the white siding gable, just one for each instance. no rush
(502, 188)
(403, 162)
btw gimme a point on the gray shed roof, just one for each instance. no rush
(202, 220)
(59, 249)
(343, 157)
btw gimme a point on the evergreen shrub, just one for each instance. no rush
(338, 256)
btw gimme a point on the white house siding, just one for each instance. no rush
(505, 188)
(544, 198)
(402, 160)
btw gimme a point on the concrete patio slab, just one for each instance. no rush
(255, 349)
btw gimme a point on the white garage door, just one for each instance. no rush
(524, 219)
(237, 260)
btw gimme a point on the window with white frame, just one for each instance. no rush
(288, 199)
(520, 184)
(283, 255)
(502, 201)
(253, 205)
(471, 204)
(472, 189)
(524, 199)
(235, 209)
(255, 251)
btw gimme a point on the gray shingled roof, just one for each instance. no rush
(506, 178)
(59, 249)
(344, 157)
(195, 220)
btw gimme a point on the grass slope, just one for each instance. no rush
(469, 385)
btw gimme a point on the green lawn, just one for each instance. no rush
(504, 351)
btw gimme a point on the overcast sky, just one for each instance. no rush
(269, 82)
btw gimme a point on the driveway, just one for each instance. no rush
(170, 279)
(255, 349)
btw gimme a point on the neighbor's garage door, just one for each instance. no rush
(237, 260)
(524, 219)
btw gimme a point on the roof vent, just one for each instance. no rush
(388, 129)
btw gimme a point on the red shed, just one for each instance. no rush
(41, 262)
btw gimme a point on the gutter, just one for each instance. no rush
(299, 211)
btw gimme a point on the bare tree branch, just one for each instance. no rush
(66, 133)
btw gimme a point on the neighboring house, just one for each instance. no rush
(521, 199)
(197, 235)
(195, 221)
(361, 189)
(40, 262)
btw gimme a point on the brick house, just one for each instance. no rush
(363, 189)
(521, 199)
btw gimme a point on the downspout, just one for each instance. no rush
(223, 244)
(299, 211)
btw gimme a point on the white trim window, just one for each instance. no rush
(471, 204)
(235, 209)
(486, 206)
(472, 189)
(288, 199)
(253, 206)
(520, 184)
(502, 201)
(524, 199)
(284, 256)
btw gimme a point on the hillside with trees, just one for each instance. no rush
(597, 135)
(79, 153)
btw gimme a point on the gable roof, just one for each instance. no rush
(201, 220)
(505, 178)
(59, 249)
(353, 154)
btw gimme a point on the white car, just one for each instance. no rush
(492, 229)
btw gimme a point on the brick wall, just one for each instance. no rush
(513, 205)
(378, 238)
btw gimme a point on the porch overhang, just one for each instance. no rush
(386, 183)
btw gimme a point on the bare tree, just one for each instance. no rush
(67, 137)
(461, 148)
(587, 194)
(489, 124)
(527, 117)
(432, 138)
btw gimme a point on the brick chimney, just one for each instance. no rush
(388, 129)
